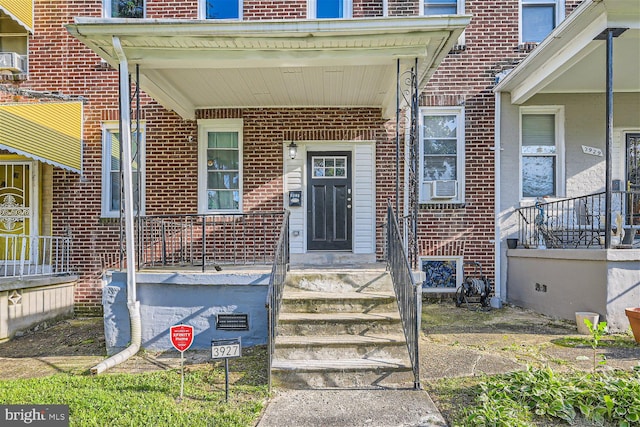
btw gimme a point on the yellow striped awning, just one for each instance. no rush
(48, 132)
(19, 10)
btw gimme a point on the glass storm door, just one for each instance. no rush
(329, 201)
(15, 209)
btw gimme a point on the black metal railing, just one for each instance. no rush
(579, 222)
(208, 240)
(408, 293)
(276, 287)
(23, 255)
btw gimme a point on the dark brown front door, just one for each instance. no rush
(329, 201)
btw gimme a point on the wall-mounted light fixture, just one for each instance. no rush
(293, 150)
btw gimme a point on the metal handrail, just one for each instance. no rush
(31, 255)
(208, 239)
(408, 293)
(577, 222)
(276, 288)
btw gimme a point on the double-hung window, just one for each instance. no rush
(124, 8)
(442, 7)
(441, 155)
(541, 151)
(112, 166)
(221, 9)
(220, 165)
(538, 18)
(327, 9)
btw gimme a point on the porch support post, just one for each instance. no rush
(609, 34)
(609, 136)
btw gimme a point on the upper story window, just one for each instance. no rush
(111, 170)
(442, 155)
(538, 18)
(124, 8)
(442, 7)
(221, 9)
(541, 151)
(325, 9)
(220, 165)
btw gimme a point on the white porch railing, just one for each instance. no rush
(22, 255)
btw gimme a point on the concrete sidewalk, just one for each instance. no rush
(351, 408)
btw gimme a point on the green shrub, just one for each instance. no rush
(515, 399)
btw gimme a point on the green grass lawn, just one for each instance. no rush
(152, 398)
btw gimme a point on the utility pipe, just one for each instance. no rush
(125, 137)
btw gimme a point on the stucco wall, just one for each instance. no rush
(584, 125)
(560, 282)
(168, 299)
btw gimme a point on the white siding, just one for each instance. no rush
(363, 177)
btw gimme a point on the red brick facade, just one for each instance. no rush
(60, 63)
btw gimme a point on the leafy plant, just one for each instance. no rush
(520, 398)
(597, 332)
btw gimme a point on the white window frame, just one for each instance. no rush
(459, 272)
(108, 129)
(558, 112)
(202, 11)
(560, 14)
(460, 153)
(217, 125)
(106, 9)
(460, 5)
(347, 9)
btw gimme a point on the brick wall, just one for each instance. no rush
(60, 63)
(466, 78)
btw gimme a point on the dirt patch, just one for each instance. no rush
(461, 341)
(70, 346)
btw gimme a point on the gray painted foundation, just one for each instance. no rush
(560, 282)
(195, 299)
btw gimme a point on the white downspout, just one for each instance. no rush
(496, 301)
(125, 137)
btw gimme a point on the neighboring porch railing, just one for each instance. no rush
(408, 293)
(579, 222)
(22, 255)
(208, 240)
(276, 287)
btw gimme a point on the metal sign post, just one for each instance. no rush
(181, 338)
(226, 349)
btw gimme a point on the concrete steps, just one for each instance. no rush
(340, 328)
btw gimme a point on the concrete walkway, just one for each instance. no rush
(351, 408)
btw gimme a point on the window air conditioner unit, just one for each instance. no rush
(11, 61)
(444, 189)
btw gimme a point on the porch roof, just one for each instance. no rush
(49, 132)
(188, 65)
(573, 60)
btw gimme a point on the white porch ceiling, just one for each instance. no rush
(190, 65)
(572, 60)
